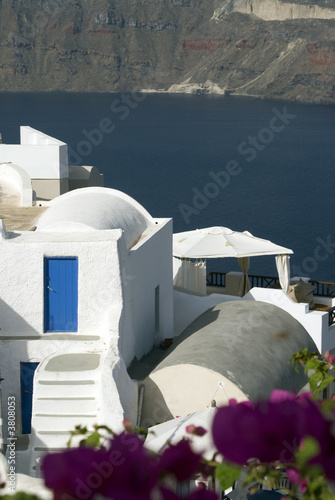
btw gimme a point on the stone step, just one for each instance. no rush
(51, 389)
(67, 422)
(66, 405)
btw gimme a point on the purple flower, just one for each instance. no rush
(179, 460)
(294, 476)
(325, 436)
(330, 358)
(168, 494)
(270, 431)
(72, 472)
(196, 431)
(125, 470)
(203, 494)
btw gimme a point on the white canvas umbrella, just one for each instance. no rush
(220, 242)
(159, 436)
(217, 242)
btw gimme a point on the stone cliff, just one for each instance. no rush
(267, 48)
(275, 10)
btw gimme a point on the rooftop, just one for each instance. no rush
(15, 217)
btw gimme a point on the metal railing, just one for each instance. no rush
(216, 279)
(331, 313)
(321, 288)
(219, 279)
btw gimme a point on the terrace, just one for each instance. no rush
(318, 320)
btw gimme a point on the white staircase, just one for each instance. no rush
(66, 394)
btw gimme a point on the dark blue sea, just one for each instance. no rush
(263, 166)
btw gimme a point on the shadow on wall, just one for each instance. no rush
(12, 323)
(154, 409)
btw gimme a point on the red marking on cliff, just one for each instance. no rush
(324, 57)
(73, 29)
(244, 44)
(206, 44)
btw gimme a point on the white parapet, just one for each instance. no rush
(315, 322)
(42, 156)
(20, 180)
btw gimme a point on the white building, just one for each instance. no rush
(45, 161)
(86, 288)
(81, 296)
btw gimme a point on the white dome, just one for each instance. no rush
(96, 208)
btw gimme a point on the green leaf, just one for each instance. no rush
(20, 495)
(309, 449)
(328, 405)
(325, 383)
(312, 364)
(314, 381)
(227, 474)
(93, 440)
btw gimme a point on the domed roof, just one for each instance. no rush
(250, 342)
(96, 208)
(236, 350)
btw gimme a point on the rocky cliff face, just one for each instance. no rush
(275, 10)
(266, 48)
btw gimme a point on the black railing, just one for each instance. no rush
(263, 281)
(331, 313)
(219, 279)
(216, 279)
(321, 288)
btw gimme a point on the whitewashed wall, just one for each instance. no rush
(22, 300)
(116, 302)
(20, 180)
(41, 162)
(42, 156)
(150, 265)
(21, 286)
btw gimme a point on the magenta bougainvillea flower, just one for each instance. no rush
(266, 432)
(294, 476)
(202, 494)
(180, 461)
(196, 430)
(329, 357)
(271, 430)
(125, 470)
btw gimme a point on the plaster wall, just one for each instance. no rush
(19, 178)
(48, 189)
(22, 280)
(31, 136)
(15, 351)
(40, 162)
(150, 266)
(315, 322)
(119, 394)
(100, 307)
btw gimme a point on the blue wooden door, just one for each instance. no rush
(61, 294)
(27, 371)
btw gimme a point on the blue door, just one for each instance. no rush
(60, 294)
(27, 371)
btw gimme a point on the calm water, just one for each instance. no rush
(205, 160)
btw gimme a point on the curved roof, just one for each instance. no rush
(96, 208)
(248, 342)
